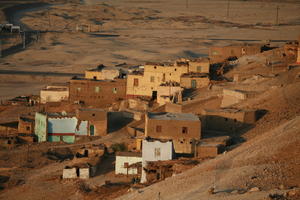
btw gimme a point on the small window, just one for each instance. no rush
(97, 89)
(154, 67)
(184, 130)
(175, 69)
(27, 128)
(152, 79)
(158, 129)
(114, 90)
(235, 120)
(157, 152)
(199, 68)
(136, 82)
(93, 114)
(95, 77)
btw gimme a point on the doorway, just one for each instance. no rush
(92, 130)
(194, 84)
(154, 95)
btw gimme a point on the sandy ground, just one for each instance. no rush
(138, 31)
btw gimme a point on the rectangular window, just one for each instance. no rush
(136, 82)
(114, 90)
(126, 164)
(157, 152)
(97, 89)
(152, 79)
(199, 68)
(158, 129)
(184, 130)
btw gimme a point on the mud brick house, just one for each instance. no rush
(102, 73)
(54, 93)
(199, 65)
(26, 125)
(182, 128)
(155, 150)
(227, 119)
(97, 120)
(167, 92)
(97, 93)
(231, 97)
(194, 80)
(56, 127)
(147, 83)
(220, 54)
(128, 163)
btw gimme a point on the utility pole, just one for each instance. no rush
(24, 40)
(49, 19)
(277, 12)
(0, 48)
(228, 4)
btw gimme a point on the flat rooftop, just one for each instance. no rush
(173, 116)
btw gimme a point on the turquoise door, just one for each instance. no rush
(92, 130)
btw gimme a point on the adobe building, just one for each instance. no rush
(227, 120)
(194, 80)
(97, 120)
(102, 73)
(199, 65)
(182, 128)
(221, 54)
(97, 93)
(231, 97)
(155, 150)
(56, 127)
(54, 94)
(147, 83)
(167, 92)
(298, 52)
(128, 163)
(26, 125)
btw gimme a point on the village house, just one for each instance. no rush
(167, 92)
(54, 93)
(228, 120)
(182, 128)
(194, 80)
(97, 93)
(155, 150)
(231, 97)
(128, 163)
(56, 127)
(97, 120)
(102, 73)
(146, 83)
(221, 54)
(199, 65)
(26, 125)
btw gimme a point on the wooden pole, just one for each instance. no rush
(277, 13)
(228, 4)
(24, 40)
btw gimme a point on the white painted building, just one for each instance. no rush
(155, 150)
(125, 163)
(54, 94)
